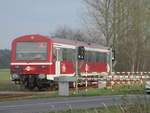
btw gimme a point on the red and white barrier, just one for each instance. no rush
(115, 78)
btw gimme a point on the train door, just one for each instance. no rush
(58, 60)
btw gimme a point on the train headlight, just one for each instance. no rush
(14, 77)
(42, 76)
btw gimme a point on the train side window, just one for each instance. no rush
(54, 53)
(89, 56)
(97, 57)
(68, 54)
(63, 54)
(101, 57)
(86, 56)
(93, 56)
(57, 53)
(105, 57)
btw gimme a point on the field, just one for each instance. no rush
(4, 76)
(5, 82)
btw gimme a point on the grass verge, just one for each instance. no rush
(138, 105)
(89, 92)
(4, 75)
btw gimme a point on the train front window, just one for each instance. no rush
(31, 50)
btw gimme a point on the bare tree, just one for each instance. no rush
(124, 25)
(71, 34)
(100, 13)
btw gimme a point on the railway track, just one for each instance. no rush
(21, 94)
(7, 96)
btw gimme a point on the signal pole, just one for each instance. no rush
(80, 53)
(76, 69)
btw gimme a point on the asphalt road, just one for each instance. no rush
(57, 104)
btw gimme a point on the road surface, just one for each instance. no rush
(57, 104)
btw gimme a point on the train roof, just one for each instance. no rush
(64, 41)
(78, 42)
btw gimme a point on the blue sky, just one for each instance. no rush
(22, 17)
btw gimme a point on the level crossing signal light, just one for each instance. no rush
(81, 53)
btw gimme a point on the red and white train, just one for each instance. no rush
(37, 59)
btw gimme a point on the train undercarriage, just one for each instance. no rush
(34, 81)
